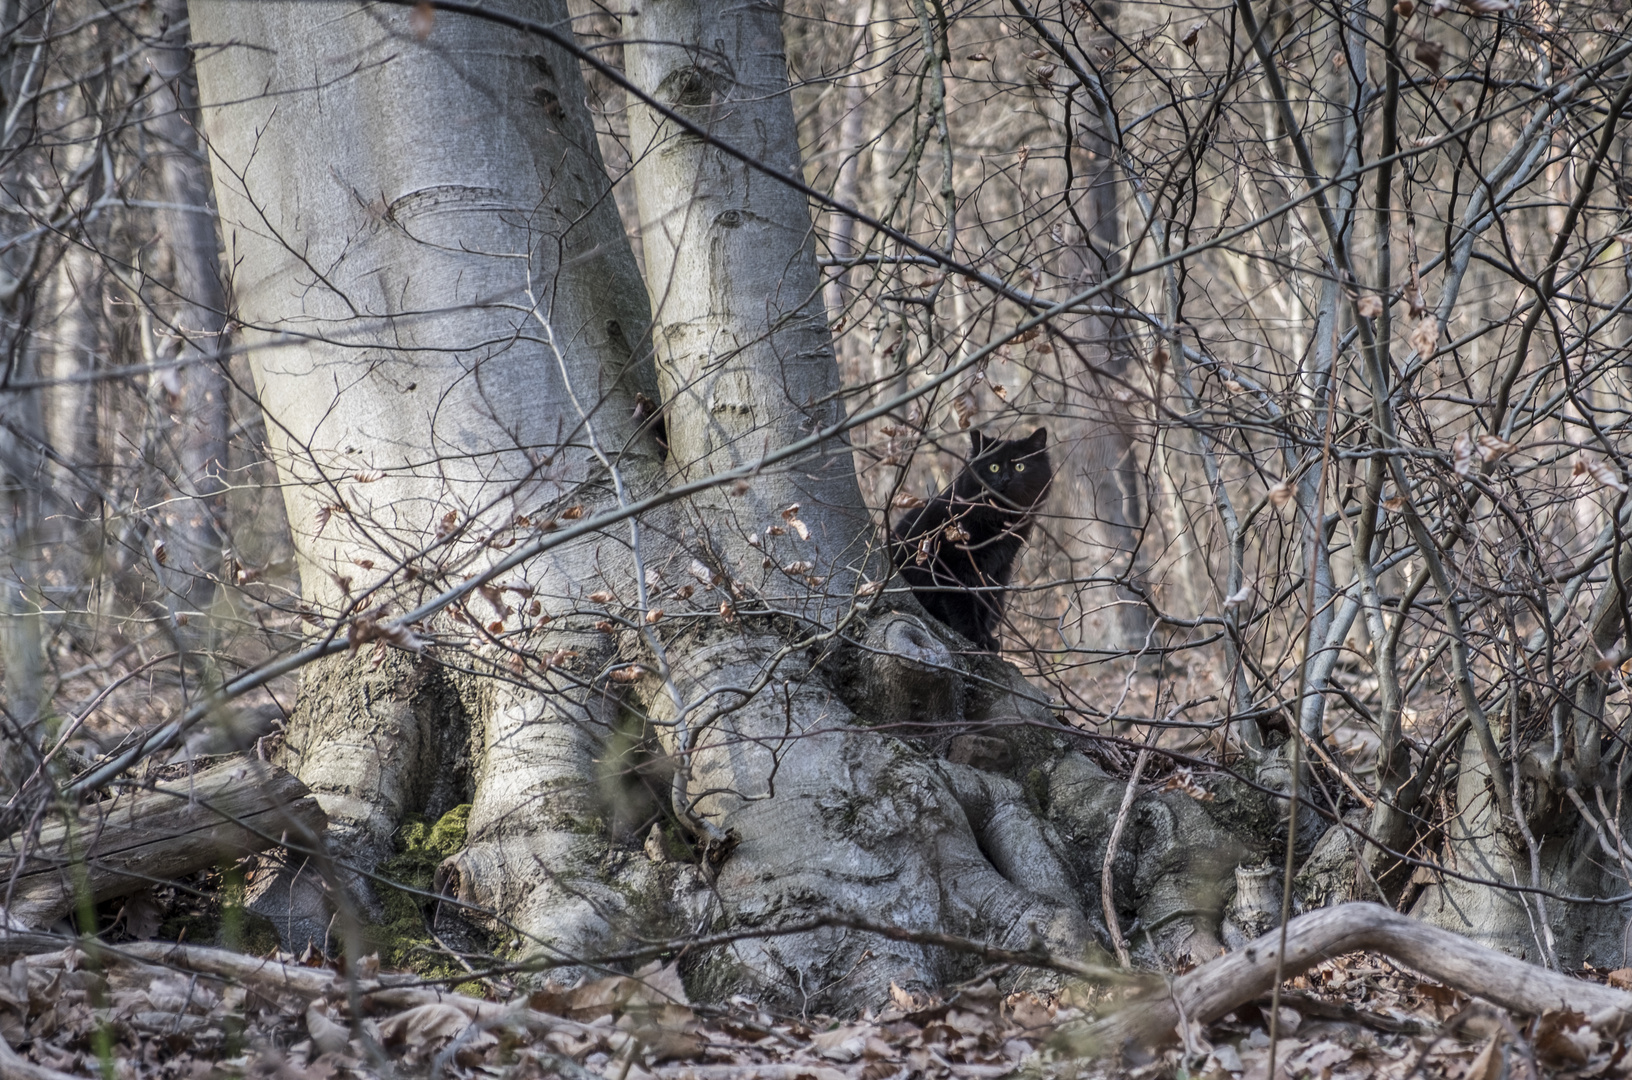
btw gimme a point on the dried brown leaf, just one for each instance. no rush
(422, 1024)
(1563, 1037)
(1492, 447)
(422, 20)
(141, 915)
(1602, 472)
(1462, 455)
(844, 1044)
(328, 1037)
(1487, 1064)
(1183, 780)
(1425, 338)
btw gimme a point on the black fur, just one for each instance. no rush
(992, 501)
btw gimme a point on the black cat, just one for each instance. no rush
(966, 537)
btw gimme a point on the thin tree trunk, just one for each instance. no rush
(22, 655)
(194, 522)
(23, 470)
(841, 245)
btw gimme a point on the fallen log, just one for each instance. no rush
(154, 834)
(1220, 986)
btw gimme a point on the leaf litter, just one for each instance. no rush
(161, 1010)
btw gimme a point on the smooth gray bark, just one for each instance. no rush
(828, 819)
(411, 224)
(22, 467)
(196, 438)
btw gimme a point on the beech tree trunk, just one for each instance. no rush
(402, 281)
(451, 342)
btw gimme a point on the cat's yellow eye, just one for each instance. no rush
(1019, 466)
(994, 466)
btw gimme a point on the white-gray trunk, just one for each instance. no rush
(399, 278)
(195, 318)
(22, 658)
(24, 471)
(72, 408)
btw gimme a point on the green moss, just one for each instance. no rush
(402, 936)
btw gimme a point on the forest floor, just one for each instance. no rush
(145, 1002)
(155, 1009)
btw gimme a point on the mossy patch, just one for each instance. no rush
(403, 937)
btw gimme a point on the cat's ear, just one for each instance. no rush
(1038, 439)
(977, 443)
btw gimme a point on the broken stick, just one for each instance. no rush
(1220, 986)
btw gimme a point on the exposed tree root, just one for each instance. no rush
(1230, 981)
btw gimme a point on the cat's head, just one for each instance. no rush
(1016, 470)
